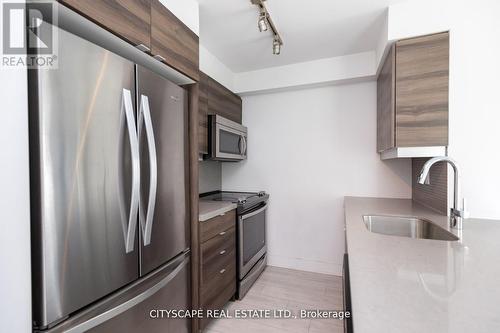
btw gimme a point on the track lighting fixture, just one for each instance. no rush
(276, 46)
(262, 21)
(265, 22)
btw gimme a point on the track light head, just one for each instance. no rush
(266, 23)
(262, 22)
(276, 46)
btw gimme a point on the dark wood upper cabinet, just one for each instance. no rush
(146, 22)
(129, 19)
(412, 93)
(223, 102)
(203, 114)
(173, 41)
(385, 103)
(214, 98)
(422, 79)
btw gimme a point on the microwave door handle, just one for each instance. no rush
(129, 234)
(244, 145)
(147, 222)
(241, 145)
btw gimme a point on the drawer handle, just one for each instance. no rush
(222, 252)
(222, 271)
(222, 233)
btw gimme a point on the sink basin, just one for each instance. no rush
(412, 227)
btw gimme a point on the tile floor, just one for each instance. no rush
(280, 288)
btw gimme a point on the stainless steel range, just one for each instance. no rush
(251, 231)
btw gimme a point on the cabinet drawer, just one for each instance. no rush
(217, 225)
(218, 284)
(130, 20)
(218, 247)
(217, 254)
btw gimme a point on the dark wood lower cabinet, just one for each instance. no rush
(217, 263)
(346, 290)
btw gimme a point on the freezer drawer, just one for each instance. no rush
(167, 288)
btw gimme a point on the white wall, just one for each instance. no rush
(210, 176)
(317, 72)
(474, 103)
(15, 277)
(310, 148)
(213, 67)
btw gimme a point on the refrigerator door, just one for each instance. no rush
(133, 309)
(164, 169)
(84, 179)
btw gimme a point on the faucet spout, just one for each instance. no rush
(456, 214)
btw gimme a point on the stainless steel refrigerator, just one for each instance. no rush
(109, 194)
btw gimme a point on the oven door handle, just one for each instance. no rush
(255, 212)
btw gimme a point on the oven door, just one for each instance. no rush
(228, 141)
(251, 239)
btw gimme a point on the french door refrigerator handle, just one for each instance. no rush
(147, 222)
(136, 172)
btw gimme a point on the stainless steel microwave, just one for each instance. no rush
(228, 139)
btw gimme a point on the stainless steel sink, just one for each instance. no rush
(412, 227)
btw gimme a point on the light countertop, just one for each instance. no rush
(209, 209)
(400, 284)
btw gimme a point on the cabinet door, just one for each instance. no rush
(422, 75)
(223, 102)
(203, 114)
(129, 19)
(175, 43)
(385, 103)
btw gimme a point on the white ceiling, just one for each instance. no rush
(311, 29)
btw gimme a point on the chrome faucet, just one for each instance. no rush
(456, 215)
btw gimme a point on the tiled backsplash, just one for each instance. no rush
(434, 195)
